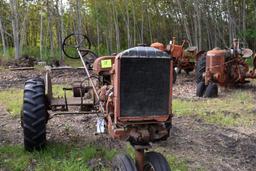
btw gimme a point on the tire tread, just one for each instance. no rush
(34, 117)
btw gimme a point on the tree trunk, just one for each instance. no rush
(142, 23)
(116, 27)
(41, 36)
(149, 23)
(244, 21)
(23, 29)
(61, 34)
(134, 24)
(199, 26)
(50, 30)
(3, 37)
(15, 28)
(98, 28)
(195, 30)
(127, 24)
(185, 22)
(79, 20)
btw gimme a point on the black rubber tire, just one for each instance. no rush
(200, 68)
(200, 89)
(123, 162)
(35, 115)
(211, 91)
(155, 161)
(174, 78)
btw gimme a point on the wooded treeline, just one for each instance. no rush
(37, 27)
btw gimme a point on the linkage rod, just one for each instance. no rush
(91, 82)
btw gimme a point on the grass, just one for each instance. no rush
(57, 91)
(11, 98)
(62, 157)
(236, 109)
(59, 157)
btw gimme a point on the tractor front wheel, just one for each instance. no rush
(155, 161)
(211, 90)
(34, 115)
(123, 163)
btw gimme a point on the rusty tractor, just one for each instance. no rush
(226, 68)
(129, 93)
(183, 59)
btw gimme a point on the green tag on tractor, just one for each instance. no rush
(106, 63)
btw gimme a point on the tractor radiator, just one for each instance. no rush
(144, 87)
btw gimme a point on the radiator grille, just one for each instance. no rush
(144, 86)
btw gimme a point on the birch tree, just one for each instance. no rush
(15, 27)
(3, 37)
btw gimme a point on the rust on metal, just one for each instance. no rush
(183, 59)
(139, 159)
(228, 67)
(158, 45)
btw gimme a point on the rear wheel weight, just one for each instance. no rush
(123, 163)
(155, 162)
(34, 115)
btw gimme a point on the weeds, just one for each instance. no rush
(11, 98)
(56, 156)
(233, 110)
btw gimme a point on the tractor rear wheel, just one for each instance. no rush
(123, 163)
(34, 115)
(200, 89)
(211, 90)
(155, 162)
(200, 68)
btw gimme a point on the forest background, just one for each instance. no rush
(37, 27)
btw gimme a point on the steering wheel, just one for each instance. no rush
(73, 42)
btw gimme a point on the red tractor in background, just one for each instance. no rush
(183, 59)
(224, 67)
(130, 94)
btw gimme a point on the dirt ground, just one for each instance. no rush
(202, 145)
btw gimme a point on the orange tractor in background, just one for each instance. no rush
(183, 59)
(224, 67)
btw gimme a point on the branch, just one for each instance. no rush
(8, 34)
